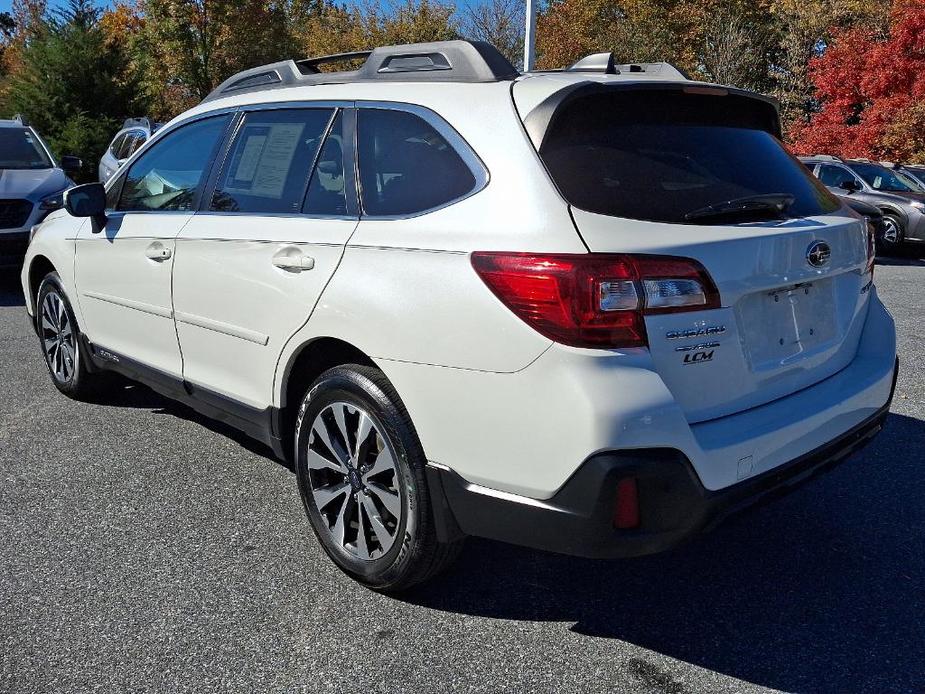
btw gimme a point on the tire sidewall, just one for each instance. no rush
(343, 384)
(52, 282)
(900, 234)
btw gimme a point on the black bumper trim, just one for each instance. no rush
(674, 505)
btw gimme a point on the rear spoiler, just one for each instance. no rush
(540, 119)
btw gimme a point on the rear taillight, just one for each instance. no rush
(871, 249)
(595, 300)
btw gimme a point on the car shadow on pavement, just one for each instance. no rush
(823, 591)
(10, 289)
(125, 393)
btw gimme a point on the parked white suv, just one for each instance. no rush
(135, 132)
(592, 311)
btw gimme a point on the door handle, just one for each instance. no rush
(293, 260)
(158, 252)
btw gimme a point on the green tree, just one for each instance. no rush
(71, 83)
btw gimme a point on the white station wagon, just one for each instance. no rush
(592, 311)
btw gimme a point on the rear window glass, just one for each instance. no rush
(662, 155)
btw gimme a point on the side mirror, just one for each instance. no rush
(71, 164)
(88, 200)
(850, 185)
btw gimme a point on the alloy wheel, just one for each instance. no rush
(890, 231)
(58, 339)
(354, 481)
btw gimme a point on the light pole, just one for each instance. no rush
(530, 38)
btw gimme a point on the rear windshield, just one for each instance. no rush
(661, 155)
(19, 149)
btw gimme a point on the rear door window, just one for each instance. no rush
(268, 166)
(406, 166)
(834, 176)
(659, 155)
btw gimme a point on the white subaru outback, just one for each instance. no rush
(592, 311)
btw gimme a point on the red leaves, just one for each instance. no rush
(872, 91)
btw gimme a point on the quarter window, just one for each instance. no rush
(168, 175)
(406, 166)
(269, 164)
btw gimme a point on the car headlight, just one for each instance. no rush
(50, 203)
(920, 206)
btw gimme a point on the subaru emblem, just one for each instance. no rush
(818, 253)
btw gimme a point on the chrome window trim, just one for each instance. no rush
(459, 144)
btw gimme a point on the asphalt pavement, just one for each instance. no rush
(145, 549)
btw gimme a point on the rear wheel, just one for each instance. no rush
(360, 471)
(59, 337)
(893, 234)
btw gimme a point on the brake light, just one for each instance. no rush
(871, 249)
(595, 300)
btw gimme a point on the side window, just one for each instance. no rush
(167, 176)
(137, 141)
(834, 176)
(117, 145)
(267, 168)
(112, 194)
(406, 166)
(327, 191)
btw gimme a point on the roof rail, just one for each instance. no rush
(824, 157)
(440, 61)
(142, 122)
(606, 64)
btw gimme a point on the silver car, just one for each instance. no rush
(135, 132)
(32, 185)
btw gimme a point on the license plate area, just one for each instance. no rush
(788, 324)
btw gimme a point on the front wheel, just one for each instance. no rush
(360, 471)
(893, 235)
(59, 337)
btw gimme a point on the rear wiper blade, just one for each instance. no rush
(770, 202)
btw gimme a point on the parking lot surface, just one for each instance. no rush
(144, 548)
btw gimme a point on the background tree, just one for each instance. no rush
(500, 23)
(871, 92)
(71, 83)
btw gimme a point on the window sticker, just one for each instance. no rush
(261, 165)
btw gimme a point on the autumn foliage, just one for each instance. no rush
(871, 92)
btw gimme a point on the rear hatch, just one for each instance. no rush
(697, 172)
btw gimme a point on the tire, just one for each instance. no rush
(360, 470)
(59, 338)
(891, 241)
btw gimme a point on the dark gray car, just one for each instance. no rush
(32, 185)
(902, 205)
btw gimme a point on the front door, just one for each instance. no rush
(123, 272)
(252, 265)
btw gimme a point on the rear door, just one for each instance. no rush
(253, 262)
(123, 273)
(653, 172)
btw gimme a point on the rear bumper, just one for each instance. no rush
(673, 504)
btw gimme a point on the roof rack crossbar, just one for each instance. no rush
(310, 65)
(440, 61)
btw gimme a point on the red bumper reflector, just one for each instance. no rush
(626, 504)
